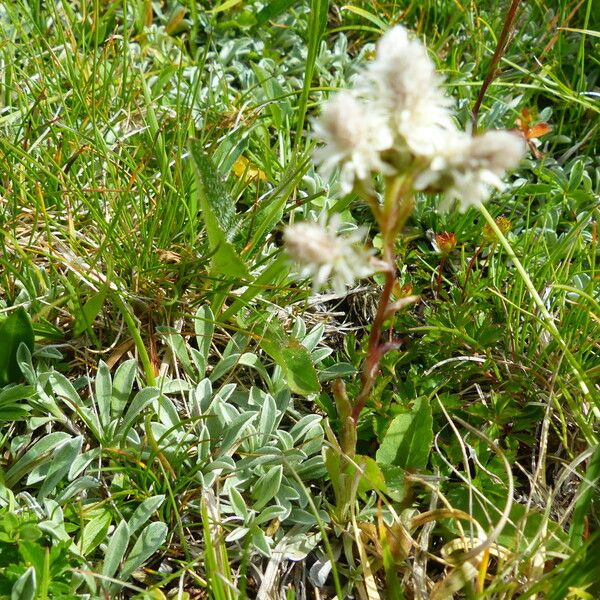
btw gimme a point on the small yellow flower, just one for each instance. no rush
(504, 225)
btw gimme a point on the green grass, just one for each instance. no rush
(165, 436)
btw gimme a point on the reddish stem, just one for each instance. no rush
(374, 354)
(500, 50)
(391, 217)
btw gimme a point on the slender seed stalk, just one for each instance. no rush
(547, 321)
(501, 47)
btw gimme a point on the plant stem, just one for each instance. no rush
(398, 205)
(137, 339)
(500, 49)
(373, 354)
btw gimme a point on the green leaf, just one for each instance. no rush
(226, 5)
(25, 587)
(370, 475)
(87, 313)
(43, 329)
(238, 504)
(267, 486)
(14, 330)
(144, 511)
(61, 463)
(273, 208)
(218, 212)
(226, 261)
(266, 422)
(576, 175)
(177, 345)
(591, 32)
(396, 486)
(300, 373)
(379, 23)
(293, 358)
(270, 513)
(408, 439)
(150, 540)
(36, 454)
(317, 24)
(235, 431)
(333, 464)
(141, 400)
(103, 393)
(587, 491)
(273, 274)
(115, 551)
(81, 462)
(259, 541)
(63, 388)
(12, 402)
(94, 532)
(33, 554)
(272, 10)
(122, 386)
(204, 328)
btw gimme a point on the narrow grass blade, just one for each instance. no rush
(587, 491)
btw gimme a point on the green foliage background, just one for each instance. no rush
(164, 434)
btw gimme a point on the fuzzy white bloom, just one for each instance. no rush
(469, 167)
(323, 254)
(403, 83)
(397, 119)
(354, 137)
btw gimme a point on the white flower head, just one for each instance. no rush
(404, 84)
(469, 167)
(323, 254)
(354, 137)
(397, 110)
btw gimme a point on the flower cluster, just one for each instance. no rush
(322, 252)
(397, 120)
(468, 167)
(355, 140)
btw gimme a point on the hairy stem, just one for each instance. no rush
(398, 205)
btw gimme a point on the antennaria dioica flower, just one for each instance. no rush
(322, 253)
(402, 84)
(355, 138)
(390, 136)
